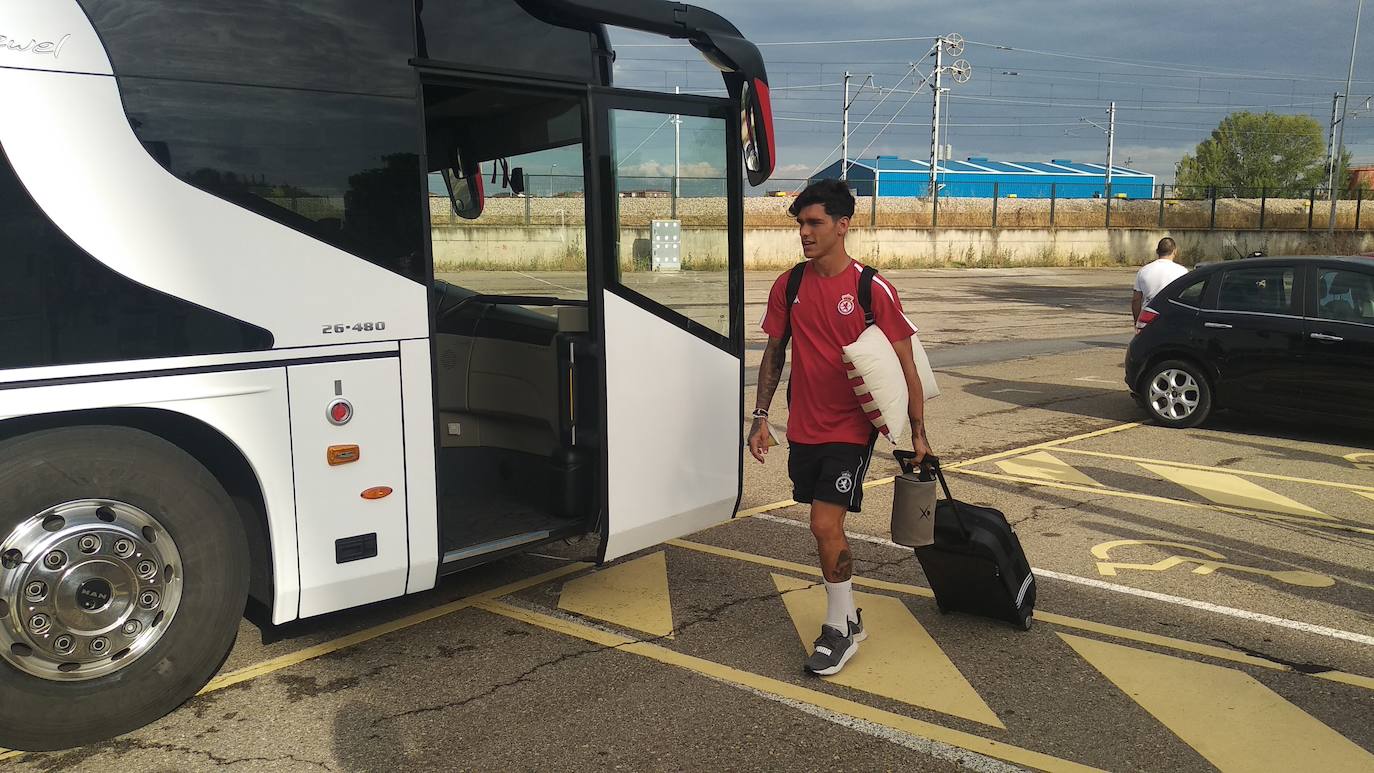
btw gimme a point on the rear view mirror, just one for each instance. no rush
(464, 183)
(756, 131)
(517, 180)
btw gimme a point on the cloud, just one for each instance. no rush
(1193, 63)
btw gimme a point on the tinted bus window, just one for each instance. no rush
(59, 306)
(342, 45)
(508, 39)
(343, 168)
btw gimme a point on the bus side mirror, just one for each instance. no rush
(756, 131)
(517, 180)
(465, 191)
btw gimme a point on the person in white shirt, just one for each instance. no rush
(1155, 276)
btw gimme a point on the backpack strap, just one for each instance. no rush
(794, 280)
(866, 294)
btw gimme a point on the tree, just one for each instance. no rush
(1284, 154)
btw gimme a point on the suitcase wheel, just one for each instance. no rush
(1026, 623)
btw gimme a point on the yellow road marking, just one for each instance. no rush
(1363, 460)
(1233, 720)
(1166, 500)
(1290, 576)
(1003, 751)
(1043, 465)
(1047, 444)
(633, 595)
(309, 653)
(1052, 618)
(1227, 489)
(1000, 454)
(899, 660)
(276, 664)
(1247, 473)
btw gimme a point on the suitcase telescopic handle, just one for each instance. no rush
(907, 461)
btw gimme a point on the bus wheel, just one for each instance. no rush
(123, 577)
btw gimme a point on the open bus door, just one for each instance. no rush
(672, 337)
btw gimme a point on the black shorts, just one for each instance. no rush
(830, 472)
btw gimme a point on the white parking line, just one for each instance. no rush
(1258, 617)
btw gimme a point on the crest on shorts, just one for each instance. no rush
(844, 483)
(846, 304)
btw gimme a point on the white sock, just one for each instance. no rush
(839, 608)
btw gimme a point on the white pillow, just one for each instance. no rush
(878, 381)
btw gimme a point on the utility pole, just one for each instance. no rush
(935, 112)
(677, 150)
(1111, 144)
(677, 157)
(1340, 131)
(960, 71)
(1331, 141)
(844, 141)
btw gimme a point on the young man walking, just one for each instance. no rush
(830, 438)
(1155, 276)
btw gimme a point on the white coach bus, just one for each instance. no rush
(234, 365)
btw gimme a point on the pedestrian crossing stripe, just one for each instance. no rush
(1230, 718)
(1227, 489)
(1042, 464)
(633, 594)
(899, 660)
(1226, 715)
(1224, 491)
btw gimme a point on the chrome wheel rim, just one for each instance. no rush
(1174, 394)
(86, 589)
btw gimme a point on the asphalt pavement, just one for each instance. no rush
(1206, 602)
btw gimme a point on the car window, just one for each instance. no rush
(1346, 296)
(1192, 294)
(1267, 289)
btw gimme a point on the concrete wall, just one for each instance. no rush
(554, 247)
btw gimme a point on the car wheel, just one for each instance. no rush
(1176, 394)
(123, 577)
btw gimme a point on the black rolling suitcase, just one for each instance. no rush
(976, 564)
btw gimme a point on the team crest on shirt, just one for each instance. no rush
(845, 482)
(846, 305)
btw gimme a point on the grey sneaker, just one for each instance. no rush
(856, 628)
(833, 650)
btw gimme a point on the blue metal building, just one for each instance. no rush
(981, 178)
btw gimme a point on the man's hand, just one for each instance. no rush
(921, 446)
(759, 435)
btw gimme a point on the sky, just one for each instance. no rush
(1039, 67)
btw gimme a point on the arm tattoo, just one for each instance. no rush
(770, 373)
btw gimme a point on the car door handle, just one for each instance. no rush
(1218, 325)
(1325, 337)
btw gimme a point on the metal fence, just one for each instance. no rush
(1089, 205)
(559, 201)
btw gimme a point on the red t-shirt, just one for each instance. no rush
(826, 317)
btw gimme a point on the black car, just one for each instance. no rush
(1278, 335)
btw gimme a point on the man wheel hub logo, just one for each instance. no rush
(844, 483)
(846, 305)
(94, 595)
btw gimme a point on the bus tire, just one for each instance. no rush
(123, 546)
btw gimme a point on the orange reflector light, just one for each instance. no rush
(338, 455)
(377, 492)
